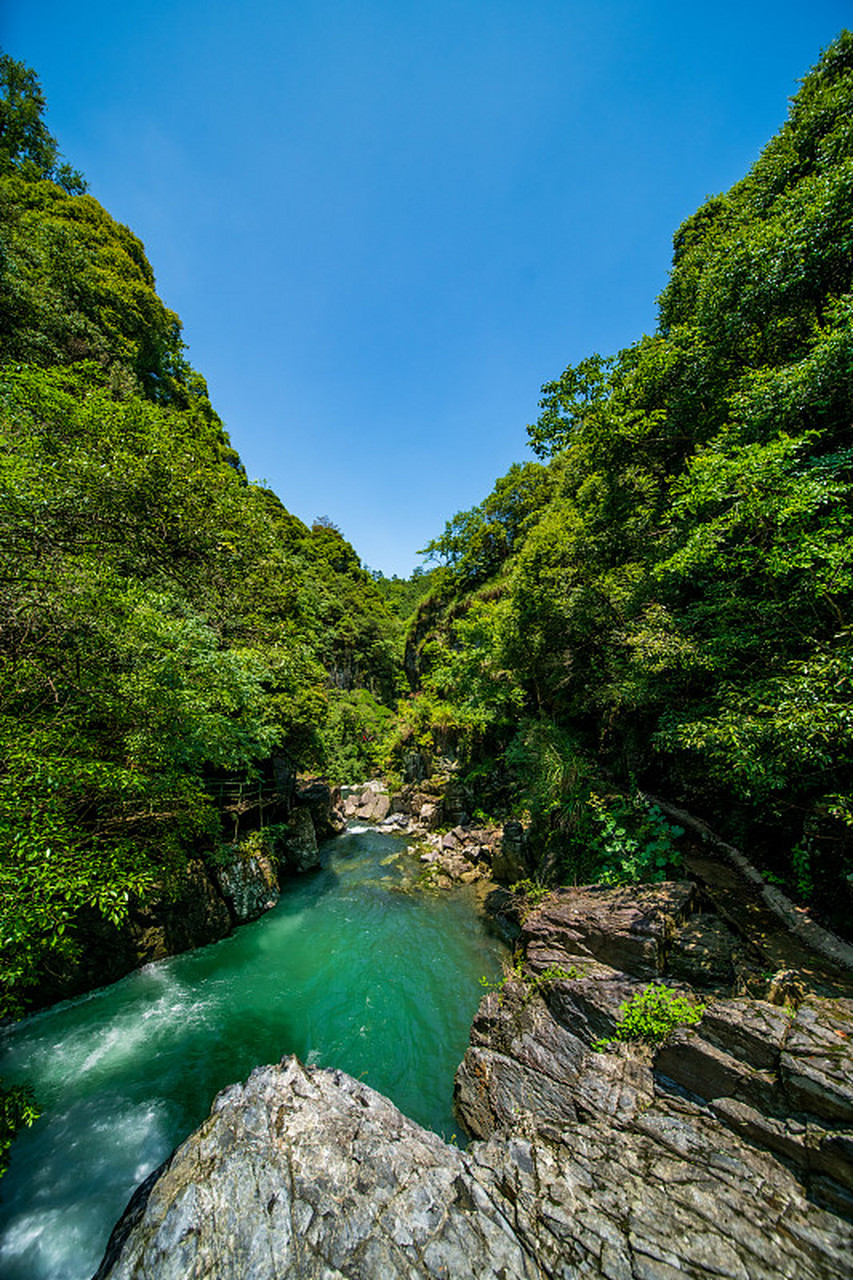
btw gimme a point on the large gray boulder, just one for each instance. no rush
(309, 1173)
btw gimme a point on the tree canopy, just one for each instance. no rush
(161, 618)
(677, 598)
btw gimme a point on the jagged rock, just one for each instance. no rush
(325, 805)
(708, 1156)
(779, 1079)
(628, 929)
(308, 1173)
(300, 851)
(530, 1053)
(817, 1060)
(249, 882)
(165, 927)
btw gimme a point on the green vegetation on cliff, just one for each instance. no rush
(668, 597)
(162, 620)
(661, 601)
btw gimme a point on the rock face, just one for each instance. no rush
(755, 1096)
(159, 927)
(325, 805)
(249, 882)
(276, 832)
(309, 1173)
(725, 1152)
(300, 850)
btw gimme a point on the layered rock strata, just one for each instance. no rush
(728, 1151)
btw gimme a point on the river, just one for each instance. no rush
(353, 968)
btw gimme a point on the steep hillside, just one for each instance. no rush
(668, 600)
(162, 620)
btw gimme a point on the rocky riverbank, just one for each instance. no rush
(435, 814)
(725, 1151)
(275, 834)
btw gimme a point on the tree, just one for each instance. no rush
(26, 146)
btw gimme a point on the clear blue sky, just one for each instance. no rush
(385, 223)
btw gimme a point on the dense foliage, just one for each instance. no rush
(661, 602)
(673, 600)
(161, 619)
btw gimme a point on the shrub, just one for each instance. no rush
(651, 1016)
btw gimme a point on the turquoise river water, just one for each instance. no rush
(351, 969)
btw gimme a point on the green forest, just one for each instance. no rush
(661, 604)
(162, 619)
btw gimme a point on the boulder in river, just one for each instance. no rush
(309, 1173)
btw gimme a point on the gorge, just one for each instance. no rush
(648, 623)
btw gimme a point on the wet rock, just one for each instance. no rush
(299, 848)
(726, 1151)
(165, 927)
(249, 881)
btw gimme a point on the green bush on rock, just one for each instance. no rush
(651, 1016)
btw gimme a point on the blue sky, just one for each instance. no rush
(385, 223)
